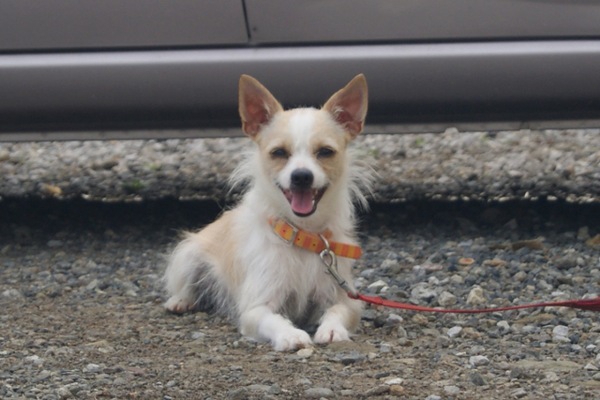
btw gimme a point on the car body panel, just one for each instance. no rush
(184, 81)
(420, 20)
(33, 25)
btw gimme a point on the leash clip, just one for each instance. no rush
(329, 258)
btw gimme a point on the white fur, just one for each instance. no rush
(238, 266)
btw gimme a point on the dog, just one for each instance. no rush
(301, 179)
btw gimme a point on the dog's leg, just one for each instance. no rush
(182, 275)
(262, 323)
(338, 320)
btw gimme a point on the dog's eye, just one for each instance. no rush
(279, 152)
(325, 152)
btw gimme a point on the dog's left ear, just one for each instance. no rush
(348, 106)
(256, 105)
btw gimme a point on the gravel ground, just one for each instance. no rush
(82, 315)
(486, 166)
(81, 300)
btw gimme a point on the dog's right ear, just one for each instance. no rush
(256, 105)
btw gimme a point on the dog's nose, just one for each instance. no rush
(302, 178)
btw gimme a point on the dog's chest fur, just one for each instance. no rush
(292, 279)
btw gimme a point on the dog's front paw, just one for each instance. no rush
(178, 305)
(328, 333)
(292, 340)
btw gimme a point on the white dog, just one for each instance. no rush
(259, 262)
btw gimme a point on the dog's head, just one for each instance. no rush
(303, 150)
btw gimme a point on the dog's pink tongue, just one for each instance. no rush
(302, 201)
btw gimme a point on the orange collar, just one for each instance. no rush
(311, 241)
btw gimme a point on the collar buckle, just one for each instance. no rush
(294, 235)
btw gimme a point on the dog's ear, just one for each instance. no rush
(348, 106)
(256, 105)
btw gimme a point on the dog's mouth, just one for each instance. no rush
(303, 201)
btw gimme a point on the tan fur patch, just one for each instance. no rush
(219, 243)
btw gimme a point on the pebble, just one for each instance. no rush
(551, 376)
(401, 332)
(35, 360)
(476, 379)
(446, 299)
(54, 243)
(119, 381)
(64, 393)
(394, 381)
(477, 361)
(454, 331)
(389, 264)
(504, 326)
(476, 296)
(528, 329)
(238, 394)
(377, 391)
(318, 392)
(566, 262)
(198, 335)
(590, 367)
(350, 357)
(304, 382)
(385, 348)
(560, 333)
(394, 319)
(92, 285)
(305, 353)
(378, 286)
(465, 261)
(12, 294)
(422, 292)
(451, 390)
(476, 349)
(397, 390)
(520, 276)
(42, 376)
(519, 393)
(591, 347)
(257, 388)
(368, 273)
(93, 368)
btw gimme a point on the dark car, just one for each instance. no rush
(156, 68)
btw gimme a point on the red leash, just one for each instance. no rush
(320, 244)
(587, 304)
(329, 259)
